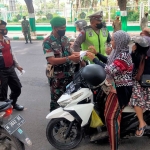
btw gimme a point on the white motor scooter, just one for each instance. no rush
(69, 123)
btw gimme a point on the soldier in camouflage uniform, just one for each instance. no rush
(57, 51)
(26, 30)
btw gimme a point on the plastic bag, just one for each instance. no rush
(95, 120)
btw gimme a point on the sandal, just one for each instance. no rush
(141, 129)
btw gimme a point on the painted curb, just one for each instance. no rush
(22, 38)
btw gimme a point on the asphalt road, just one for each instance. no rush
(36, 97)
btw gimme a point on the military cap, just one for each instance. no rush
(98, 16)
(3, 22)
(58, 22)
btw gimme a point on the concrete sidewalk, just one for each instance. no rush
(17, 35)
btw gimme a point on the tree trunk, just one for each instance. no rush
(77, 6)
(136, 4)
(122, 4)
(30, 8)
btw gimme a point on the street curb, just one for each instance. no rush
(22, 38)
(41, 37)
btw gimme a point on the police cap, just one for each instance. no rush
(98, 16)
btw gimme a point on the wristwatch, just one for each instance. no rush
(67, 59)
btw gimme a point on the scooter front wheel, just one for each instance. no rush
(9, 142)
(56, 130)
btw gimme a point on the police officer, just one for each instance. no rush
(57, 51)
(94, 35)
(26, 30)
(144, 21)
(8, 75)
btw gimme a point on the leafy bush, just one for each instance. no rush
(133, 15)
(15, 19)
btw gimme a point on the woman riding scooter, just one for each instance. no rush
(119, 66)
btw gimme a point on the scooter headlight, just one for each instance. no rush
(73, 97)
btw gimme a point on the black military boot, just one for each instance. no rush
(26, 42)
(30, 42)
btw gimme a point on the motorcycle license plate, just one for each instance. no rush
(14, 124)
(70, 88)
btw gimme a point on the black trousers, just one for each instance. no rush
(8, 77)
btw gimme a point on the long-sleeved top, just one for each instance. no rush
(16, 64)
(121, 72)
(102, 60)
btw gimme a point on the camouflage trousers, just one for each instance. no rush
(27, 36)
(57, 88)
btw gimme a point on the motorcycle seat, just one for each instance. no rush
(3, 105)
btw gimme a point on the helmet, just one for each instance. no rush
(81, 24)
(94, 75)
(141, 40)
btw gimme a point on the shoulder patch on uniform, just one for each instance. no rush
(80, 34)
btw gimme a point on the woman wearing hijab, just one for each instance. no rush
(118, 68)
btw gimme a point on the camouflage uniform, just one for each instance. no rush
(26, 30)
(63, 73)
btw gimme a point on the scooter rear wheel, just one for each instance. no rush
(9, 142)
(55, 134)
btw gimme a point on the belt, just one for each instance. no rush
(6, 68)
(62, 68)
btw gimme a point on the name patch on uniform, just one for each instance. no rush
(90, 34)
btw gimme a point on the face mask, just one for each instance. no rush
(61, 32)
(99, 26)
(4, 31)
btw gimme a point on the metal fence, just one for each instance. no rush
(134, 14)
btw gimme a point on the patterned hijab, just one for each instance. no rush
(122, 40)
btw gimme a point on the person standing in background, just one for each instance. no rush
(144, 21)
(116, 24)
(26, 30)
